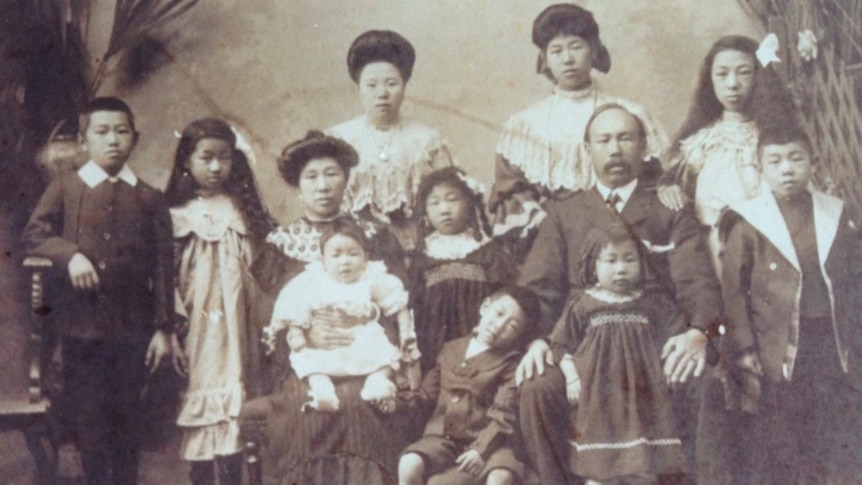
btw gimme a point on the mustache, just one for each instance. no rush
(616, 163)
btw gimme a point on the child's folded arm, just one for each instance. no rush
(565, 338)
(164, 271)
(502, 415)
(407, 336)
(42, 236)
(567, 367)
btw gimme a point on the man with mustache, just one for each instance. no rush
(677, 261)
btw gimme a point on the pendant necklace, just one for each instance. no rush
(385, 146)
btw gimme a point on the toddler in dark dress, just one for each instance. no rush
(606, 343)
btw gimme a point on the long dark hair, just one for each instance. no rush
(769, 104)
(240, 185)
(477, 220)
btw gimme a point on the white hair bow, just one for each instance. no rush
(767, 51)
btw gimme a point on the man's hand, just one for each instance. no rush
(672, 197)
(158, 350)
(82, 273)
(684, 355)
(471, 462)
(534, 361)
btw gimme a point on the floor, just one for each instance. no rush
(162, 467)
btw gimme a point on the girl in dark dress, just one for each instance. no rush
(455, 263)
(607, 345)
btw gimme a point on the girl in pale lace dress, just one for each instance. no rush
(456, 263)
(540, 151)
(357, 293)
(394, 152)
(714, 159)
(218, 218)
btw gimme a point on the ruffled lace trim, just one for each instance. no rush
(724, 138)
(209, 218)
(412, 150)
(578, 94)
(545, 141)
(207, 442)
(394, 302)
(607, 296)
(456, 246)
(724, 155)
(211, 406)
(531, 216)
(299, 240)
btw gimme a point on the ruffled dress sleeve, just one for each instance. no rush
(391, 165)
(389, 294)
(292, 307)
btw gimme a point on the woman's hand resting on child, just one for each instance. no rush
(324, 333)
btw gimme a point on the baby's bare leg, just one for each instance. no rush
(411, 469)
(322, 393)
(380, 390)
(500, 476)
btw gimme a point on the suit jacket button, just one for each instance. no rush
(107, 236)
(102, 265)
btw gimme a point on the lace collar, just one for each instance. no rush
(588, 92)
(733, 117)
(208, 217)
(608, 296)
(456, 246)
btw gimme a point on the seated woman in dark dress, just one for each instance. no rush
(358, 444)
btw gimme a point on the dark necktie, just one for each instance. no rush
(612, 200)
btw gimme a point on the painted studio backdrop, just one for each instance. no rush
(277, 69)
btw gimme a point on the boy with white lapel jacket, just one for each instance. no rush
(792, 274)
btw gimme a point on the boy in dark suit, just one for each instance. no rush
(468, 438)
(112, 233)
(792, 267)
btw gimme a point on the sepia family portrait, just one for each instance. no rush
(409, 242)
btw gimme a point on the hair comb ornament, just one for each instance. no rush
(243, 145)
(472, 184)
(767, 51)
